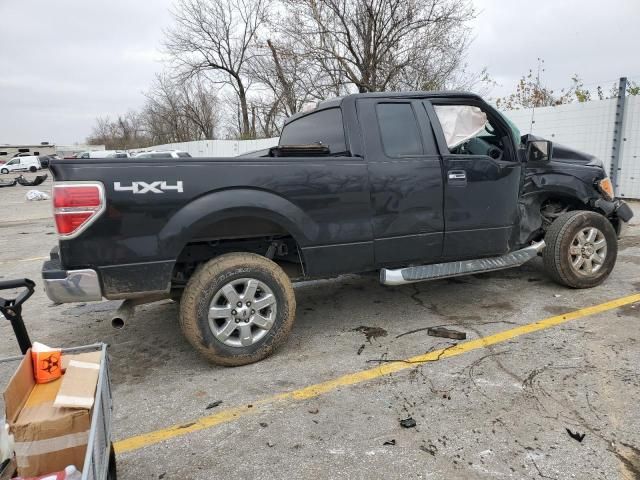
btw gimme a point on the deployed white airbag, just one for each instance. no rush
(460, 122)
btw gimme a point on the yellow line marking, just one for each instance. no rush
(33, 259)
(230, 414)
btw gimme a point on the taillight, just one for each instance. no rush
(76, 205)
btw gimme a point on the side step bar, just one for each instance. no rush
(464, 267)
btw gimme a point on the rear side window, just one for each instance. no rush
(324, 126)
(398, 129)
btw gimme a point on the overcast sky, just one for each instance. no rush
(65, 62)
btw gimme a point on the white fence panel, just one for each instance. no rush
(629, 173)
(584, 126)
(590, 127)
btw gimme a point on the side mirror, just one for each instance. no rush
(539, 150)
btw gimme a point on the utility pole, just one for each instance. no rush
(618, 133)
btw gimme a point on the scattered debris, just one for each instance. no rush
(371, 332)
(186, 425)
(446, 333)
(431, 449)
(576, 436)
(8, 183)
(629, 457)
(390, 442)
(361, 349)
(270, 444)
(213, 404)
(408, 423)
(264, 424)
(557, 295)
(162, 475)
(313, 411)
(441, 352)
(36, 181)
(36, 195)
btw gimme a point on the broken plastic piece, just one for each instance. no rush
(36, 181)
(408, 423)
(446, 333)
(576, 436)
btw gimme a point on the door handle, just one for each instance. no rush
(457, 177)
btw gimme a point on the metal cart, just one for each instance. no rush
(100, 460)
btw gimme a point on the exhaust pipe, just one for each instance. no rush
(123, 314)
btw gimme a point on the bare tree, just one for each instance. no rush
(126, 131)
(180, 111)
(375, 45)
(216, 37)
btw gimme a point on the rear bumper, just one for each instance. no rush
(68, 286)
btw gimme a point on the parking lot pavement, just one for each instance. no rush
(499, 411)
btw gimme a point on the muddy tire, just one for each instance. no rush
(581, 249)
(237, 309)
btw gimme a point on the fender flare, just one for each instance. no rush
(225, 204)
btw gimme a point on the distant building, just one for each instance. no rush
(9, 151)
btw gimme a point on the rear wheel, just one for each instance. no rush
(33, 169)
(581, 249)
(237, 308)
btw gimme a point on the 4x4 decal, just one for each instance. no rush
(159, 186)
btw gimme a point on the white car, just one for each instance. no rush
(105, 154)
(21, 164)
(163, 154)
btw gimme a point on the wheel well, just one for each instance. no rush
(240, 234)
(554, 206)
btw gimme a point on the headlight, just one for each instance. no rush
(606, 188)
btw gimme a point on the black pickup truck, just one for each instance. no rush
(416, 185)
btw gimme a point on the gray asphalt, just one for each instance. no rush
(498, 412)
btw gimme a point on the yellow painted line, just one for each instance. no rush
(230, 414)
(15, 260)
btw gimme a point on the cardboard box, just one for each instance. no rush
(47, 438)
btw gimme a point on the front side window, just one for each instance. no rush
(15, 161)
(184, 155)
(398, 129)
(323, 126)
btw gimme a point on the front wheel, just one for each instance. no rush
(237, 308)
(4, 170)
(581, 249)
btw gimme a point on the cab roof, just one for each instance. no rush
(338, 101)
